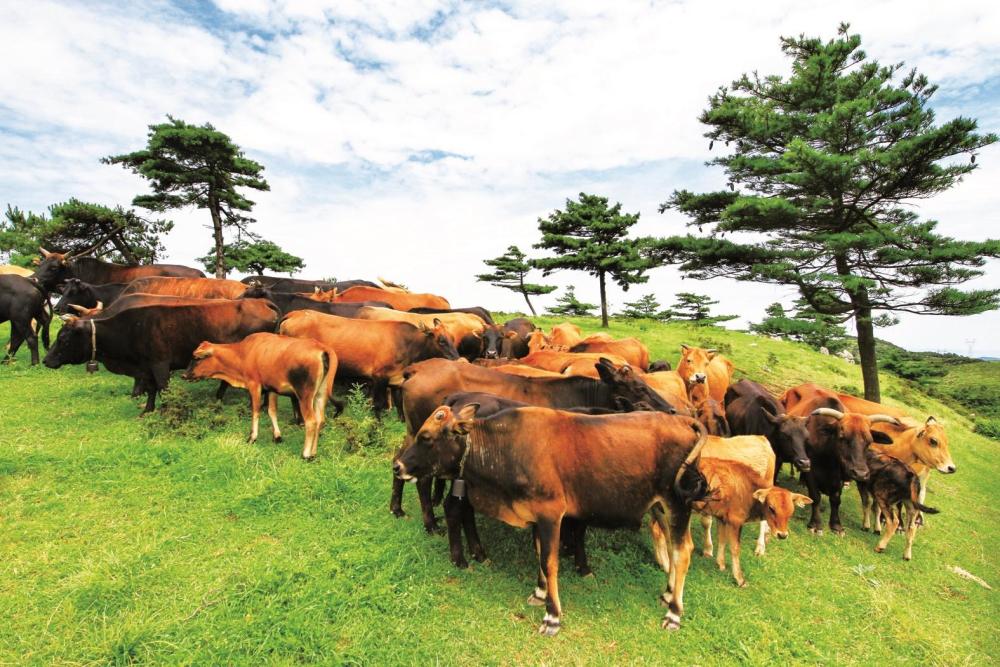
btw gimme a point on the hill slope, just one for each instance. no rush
(170, 539)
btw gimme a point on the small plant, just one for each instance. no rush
(185, 414)
(362, 431)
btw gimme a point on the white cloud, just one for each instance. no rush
(541, 100)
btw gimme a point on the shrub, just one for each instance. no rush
(186, 414)
(990, 427)
(362, 431)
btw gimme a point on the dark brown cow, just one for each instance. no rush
(55, 268)
(751, 410)
(428, 383)
(288, 302)
(535, 466)
(515, 347)
(267, 364)
(373, 351)
(156, 335)
(192, 288)
(78, 293)
(21, 301)
(836, 447)
(291, 285)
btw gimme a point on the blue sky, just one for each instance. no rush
(414, 138)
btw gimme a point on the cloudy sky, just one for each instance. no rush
(414, 138)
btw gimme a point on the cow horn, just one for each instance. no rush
(829, 412)
(875, 419)
(78, 308)
(99, 306)
(45, 253)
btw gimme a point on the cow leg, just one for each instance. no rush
(761, 547)
(891, 523)
(272, 412)
(307, 406)
(221, 391)
(159, 377)
(380, 395)
(296, 412)
(866, 502)
(720, 558)
(17, 337)
(438, 491)
(911, 530)
(548, 537)
(816, 520)
(31, 338)
(835, 525)
(397, 401)
(735, 534)
(396, 498)
(922, 496)
(453, 520)
(426, 508)
(681, 548)
(661, 552)
(708, 548)
(319, 413)
(255, 401)
(539, 595)
(471, 532)
(574, 536)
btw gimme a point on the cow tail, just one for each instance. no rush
(915, 496)
(690, 484)
(278, 319)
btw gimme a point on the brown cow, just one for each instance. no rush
(558, 362)
(698, 365)
(10, 269)
(672, 388)
(404, 301)
(709, 411)
(630, 349)
(271, 364)
(536, 466)
(564, 336)
(526, 371)
(191, 288)
(922, 448)
(739, 494)
(374, 351)
(811, 390)
(465, 330)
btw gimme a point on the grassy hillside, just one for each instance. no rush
(169, 539)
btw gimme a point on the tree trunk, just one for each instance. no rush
(604, 302)
(220, 260)
(866, 345)
(528, 301)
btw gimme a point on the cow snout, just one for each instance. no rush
(782, 535)
(397, 469)
(491, 354)
(861, 475)
(947, 469)
(698, 378)
(805, 465)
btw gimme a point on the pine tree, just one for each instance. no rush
(806, 325)
(646, 307)
(591, 236)
(511, 269)
(189, 165)
(826, 162)
(697, 308)
(255, 257)
(569, 306)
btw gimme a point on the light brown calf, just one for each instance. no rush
(266, 362)
(700, 366)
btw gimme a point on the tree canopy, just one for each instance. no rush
(254, 257)
(645, 307)
(825, 164)
(697, 308)
(509, 272)
(591, 236)
(805, 324)
(570, 306)
(114, 234)
(190, 165)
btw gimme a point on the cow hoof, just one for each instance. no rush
(479, 555)
(758, 552)
(461, 564)
(549, 626)
(905, 557)
(397, 512)
(251, 440)
(671, 621)
(278, 439)
(308, 459)
(741, 584)
(879, 550)
(815, 531)
(585, 572)
(707, 553)
(837, 530)
(435, 529)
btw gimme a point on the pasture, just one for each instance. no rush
(168, 539)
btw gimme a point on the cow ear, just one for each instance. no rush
(800, 500)
(685, 348)
(760, 495)
(930, 420)
(436, 322)
(463, 420)
(511, 335)
(881, 438)
(711, 353)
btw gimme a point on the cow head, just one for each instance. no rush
(628, 385)
(850, 434)
(930, 446)
(659, 365)
(75, 292)
(693, 366)
(493, 338)
(789, 438)
(73, 344)
(53, 269)
(256, 291)
(440, 340)
(537, 340)
(204, 364)
(778, 506)
(438, 447)
(713, 416)
(328, 296)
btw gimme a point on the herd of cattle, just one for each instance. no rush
(548, 430)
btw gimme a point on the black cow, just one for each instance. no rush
(479, 312)
(78, 293)
(515, 347)
(57, 267)
(290, 301)
(292, 285)
(22, 300)
(148, 340)
(751, 410)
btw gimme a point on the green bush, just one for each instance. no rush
(362, 431)
(990, 427)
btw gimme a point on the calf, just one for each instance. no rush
(21, 301)
(536, 466)
(269, 364)
(738, 494)
(709, 412)
(700, 366)
(893, 484)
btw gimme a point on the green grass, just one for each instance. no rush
(977, 385)
(150, 540)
